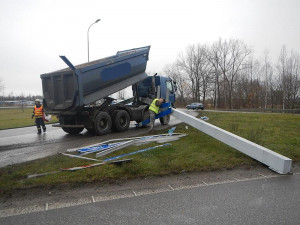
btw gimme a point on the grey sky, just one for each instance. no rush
(35, 32)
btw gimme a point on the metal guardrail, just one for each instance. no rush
(292, 111)
(16, 107)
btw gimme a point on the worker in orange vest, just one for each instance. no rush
(38, 113)
(154, 109)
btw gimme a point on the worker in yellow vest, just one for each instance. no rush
(38, 114)
(154, 109)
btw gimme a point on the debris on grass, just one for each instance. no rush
(204, 118)
(171, 131)
(41, 174)
(77, 156)
(117, 162)
(110, 146)
(96, 164)
(139, 151)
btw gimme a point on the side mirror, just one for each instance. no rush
(175, 86)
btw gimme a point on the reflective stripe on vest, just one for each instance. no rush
(38, 112)
(153, 107)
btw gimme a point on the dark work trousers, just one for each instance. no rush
(39, 122)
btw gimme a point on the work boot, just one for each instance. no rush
(150, 127)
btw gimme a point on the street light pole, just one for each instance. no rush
(88, 41)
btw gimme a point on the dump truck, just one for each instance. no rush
(80, 95)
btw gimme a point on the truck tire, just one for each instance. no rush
(121, 120)
(73, 131)
(113, 116)
(102, 123)
(91, 130)
(164, 120)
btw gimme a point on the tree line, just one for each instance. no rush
(226, 74)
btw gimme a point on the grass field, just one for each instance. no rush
(195, 152)
(17, 117)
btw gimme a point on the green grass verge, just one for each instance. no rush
(195, 152)
(278, 132)
(13, 118)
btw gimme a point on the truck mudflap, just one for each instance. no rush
(167, 111)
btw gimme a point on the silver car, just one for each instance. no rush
(195, 105)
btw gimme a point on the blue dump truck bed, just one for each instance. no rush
(76, 86)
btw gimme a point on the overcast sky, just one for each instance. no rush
(35, 32)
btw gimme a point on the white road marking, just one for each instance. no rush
(262, 175)
(204, 183)
(171, 187)
(31, 209)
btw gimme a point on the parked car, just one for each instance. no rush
(195, 105)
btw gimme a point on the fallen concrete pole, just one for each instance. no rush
(275, 161)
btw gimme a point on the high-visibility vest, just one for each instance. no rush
(38, 112)
(153, 107)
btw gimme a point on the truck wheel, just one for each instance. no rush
(121, 120)
(113, 116)
(164, 120)
(102, 123)
(72, 131)
(91, 131)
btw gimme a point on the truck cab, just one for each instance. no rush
(155, 87)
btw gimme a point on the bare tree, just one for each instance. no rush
(213, 58)
(2, 87)
(203, 69)
(288, 70)
(267, 71)
(173, 71)
(229, 56)
(292, 79)
(185, 63)
(22, 101)
(281, 66)
(252, 73)
(196, 65)
(229, 76)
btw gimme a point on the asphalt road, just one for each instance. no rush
(265, 200)
(23, 144)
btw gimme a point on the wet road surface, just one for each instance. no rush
(23, 144)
